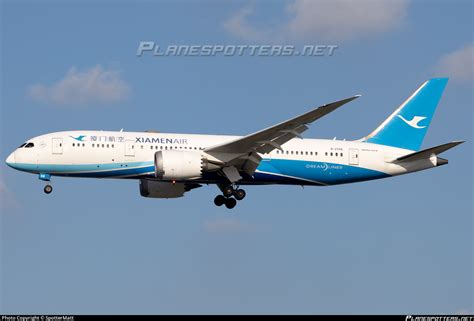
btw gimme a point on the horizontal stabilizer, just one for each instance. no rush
(427, 153)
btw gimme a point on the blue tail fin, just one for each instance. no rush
(407, 126)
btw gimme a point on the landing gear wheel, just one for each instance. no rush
(48, 189)
(228, 191)
(230, 203)
(239, 194)
(219, 200)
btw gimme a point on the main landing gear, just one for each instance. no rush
(226, 198)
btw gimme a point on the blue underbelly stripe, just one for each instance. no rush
(83, 168)
(137, 171)
(269, 170)
(317, 172)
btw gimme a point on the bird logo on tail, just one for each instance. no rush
(414, 122)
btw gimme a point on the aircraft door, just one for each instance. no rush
(57, 146)
(129, 148)
(353, 156)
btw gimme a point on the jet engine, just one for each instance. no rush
(181, 165)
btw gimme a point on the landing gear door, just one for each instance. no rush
(353, 156)
(57, 145)
(129, 148)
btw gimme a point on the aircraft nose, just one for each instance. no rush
(10, 159)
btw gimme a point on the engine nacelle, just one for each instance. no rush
(179, 165)
(157, 189)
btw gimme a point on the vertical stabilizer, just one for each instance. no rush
(407, 126)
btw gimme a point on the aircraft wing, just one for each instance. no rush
(243, 153)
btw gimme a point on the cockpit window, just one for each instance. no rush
(22, 145)
(29, 145)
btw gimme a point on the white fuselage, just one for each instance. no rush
(107, 154)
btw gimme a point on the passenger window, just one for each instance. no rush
(112, 145)
(341, 155)
(337, 154)
(83, 144)
(331, 154)
(73, 144)
(326, 153)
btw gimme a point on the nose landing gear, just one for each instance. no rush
(47, 178)
(226, 198)
(48, 189)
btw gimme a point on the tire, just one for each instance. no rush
(48, 189)
(228, 191)
(219, 200)
(239, 194)
(230, 203)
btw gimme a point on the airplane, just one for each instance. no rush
(169, 165)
